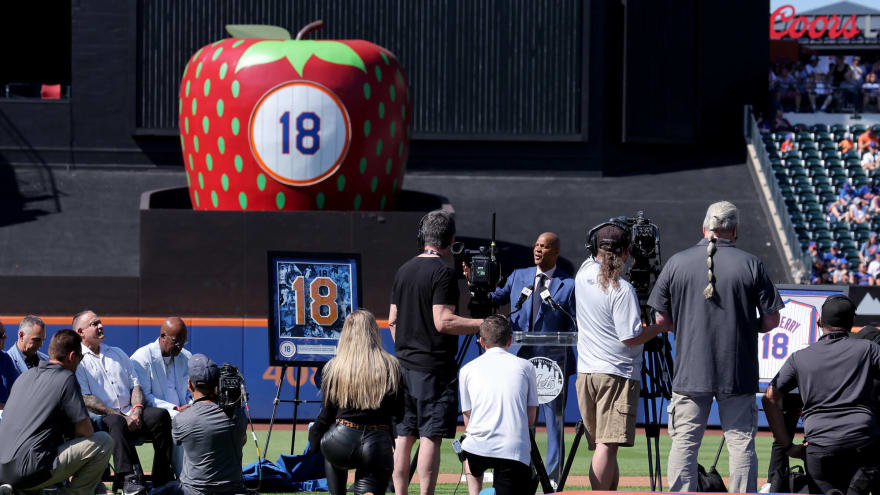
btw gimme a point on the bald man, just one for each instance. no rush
(161, 368)
(534, 315)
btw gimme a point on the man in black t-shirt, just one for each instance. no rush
(46, 436)
(834, 377)
(425, 330)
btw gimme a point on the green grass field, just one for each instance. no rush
(633, 461)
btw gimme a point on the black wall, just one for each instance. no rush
(596, 86)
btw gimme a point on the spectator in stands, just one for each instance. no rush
(788, 92)
(846, 144)
(8, 373)
(817, 88)
(847, 193)
(25, 351)
(843, 275)
(839, 71)
(833, 257)
(854, 80)
(837, 209)
(862, 277)
(858, 211)
(874, 268)
(869, 248)
(866, 139)
(112, 392)
(761, 122)
(161, 368)
(869, 159)
(787, 144)
(780, 123)
(870, 89)
(801, 78)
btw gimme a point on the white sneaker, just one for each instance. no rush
(6, 489)
(765, 488)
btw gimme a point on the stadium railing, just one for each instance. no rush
(802, 264)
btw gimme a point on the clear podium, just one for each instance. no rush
(548, 353)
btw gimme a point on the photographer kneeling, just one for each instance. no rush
(499, 401)
(212, 438)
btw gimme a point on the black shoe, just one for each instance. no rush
(134, 485)
(6, 489)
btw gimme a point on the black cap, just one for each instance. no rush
(612, 238)
(202, 371)
(838, 311)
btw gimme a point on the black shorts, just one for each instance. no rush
(430, 404)
(509, 476)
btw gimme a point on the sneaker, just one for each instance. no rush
(6, 489)
(765, 488)
(134, 485)
(101, 488)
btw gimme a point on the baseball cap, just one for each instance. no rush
(835, 245)
(202, 371)
(612, 238)
(838, 311)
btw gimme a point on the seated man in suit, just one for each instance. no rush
(25, 351)
(534, 315)
(113, 394)
(161, 368)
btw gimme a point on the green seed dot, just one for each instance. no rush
(377, 70)
(378, 147)
(206, 88)
(279, 200)
(224, 181)
(393, 128)
(388, 166)
(221, 145)
(261, 181)
(237, 43)
(367, 127)
(209, 162)
(186, 92)
(196, 194)
(367, 90)
(219, 108)
(223, 68)
(381, 110)
(384, 57)
(214, 198)
(216, 43)
(238, 163)
(206, 124)
(179, 106)
(196, 143)
(319, 200)
(186, 124)
(242, 200)
(382, 203)
(187, 179)
(340, 183)
(374, 183)
(201, 181)
(235, 126)
(357, 201)
(363, 164)
(182, 144)
(235, 87)
(400, 150)
(194, 106)
(392, 92)
(394, 185)
(399, 76)
(217, 53)
(198, 70)
(191, 162)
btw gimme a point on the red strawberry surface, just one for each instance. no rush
(294, 125)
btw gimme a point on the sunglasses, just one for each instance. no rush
(175, 342)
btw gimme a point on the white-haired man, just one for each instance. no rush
(25, 351)
(710, 295)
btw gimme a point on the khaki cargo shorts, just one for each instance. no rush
(608, 405)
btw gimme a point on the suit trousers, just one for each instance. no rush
(156, 429)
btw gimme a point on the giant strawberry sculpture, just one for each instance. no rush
(294, 125)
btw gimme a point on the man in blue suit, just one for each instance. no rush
(537, 316)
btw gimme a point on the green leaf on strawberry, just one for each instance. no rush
(298, 52)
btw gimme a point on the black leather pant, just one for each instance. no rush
(368, 452)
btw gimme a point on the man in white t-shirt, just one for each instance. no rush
(499, 401)
(874, 265)
(610, 340)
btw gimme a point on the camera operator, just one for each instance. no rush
(212, 438)
(610, 341)
(533, 315)
(716, 354)
(425, 330)
(499, 400)
(834, 376)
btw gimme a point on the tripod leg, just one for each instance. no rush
(579, 430)
(414, 463)
(274, 410)
(295, 410)
(539, 465)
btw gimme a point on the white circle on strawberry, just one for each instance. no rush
(299, 133)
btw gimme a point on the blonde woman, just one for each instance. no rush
(362, 394)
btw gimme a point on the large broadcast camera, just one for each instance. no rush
(231, 394)
(485, 272)
(645, 251)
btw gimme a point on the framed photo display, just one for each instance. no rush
(310, 295)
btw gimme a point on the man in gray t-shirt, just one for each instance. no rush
(711, 296)
(211, 439)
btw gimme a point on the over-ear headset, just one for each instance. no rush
(592, 244)
(419, 235)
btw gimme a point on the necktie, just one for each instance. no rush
(536, 299)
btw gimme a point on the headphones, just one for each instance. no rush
(592, 243)
(419, 236)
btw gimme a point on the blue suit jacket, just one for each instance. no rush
(547, 320)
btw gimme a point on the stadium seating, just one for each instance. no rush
(811, 176)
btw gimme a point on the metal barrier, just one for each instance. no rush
(802, 261)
